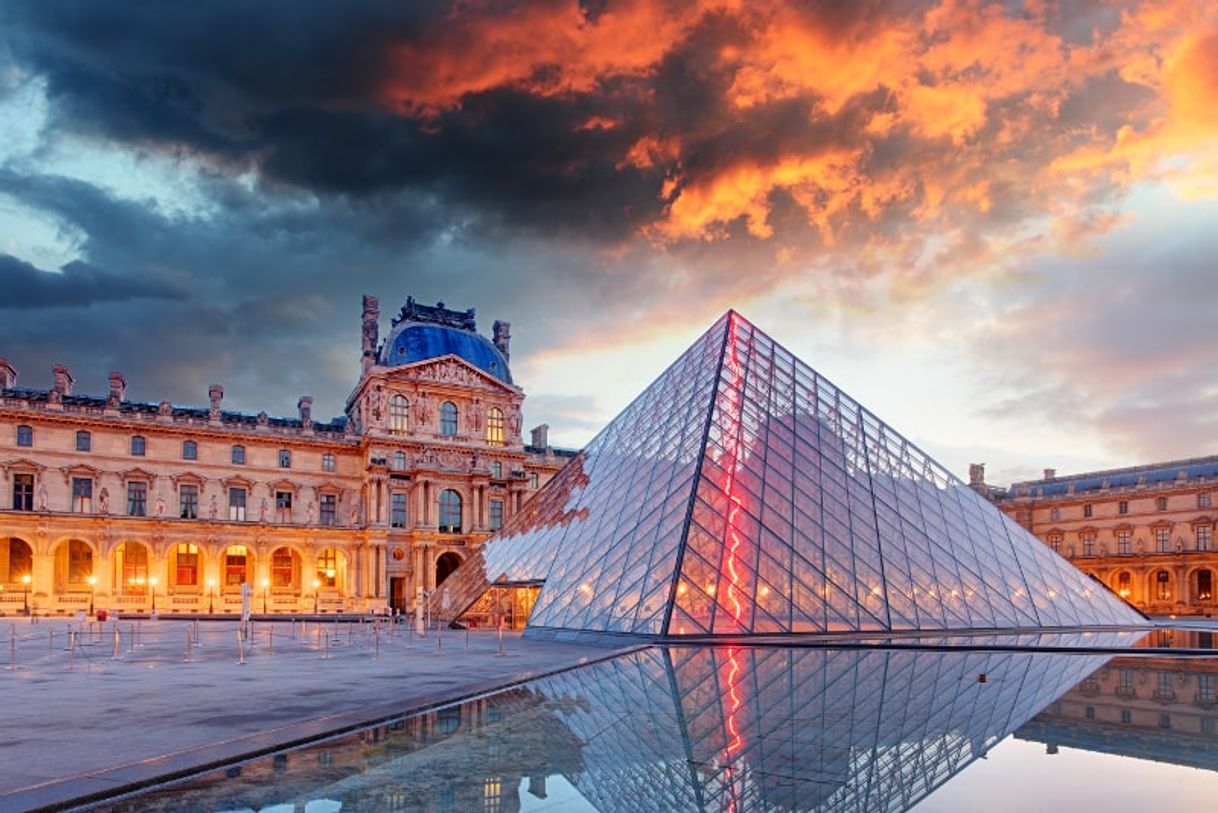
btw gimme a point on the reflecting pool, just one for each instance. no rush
(769, 729)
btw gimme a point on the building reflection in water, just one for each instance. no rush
(699, 728)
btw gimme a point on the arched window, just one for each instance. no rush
(1124, 584)
(399, 418)
(80, 563)
(445, 565)
(236, 566)
(494, 426)
(448, 418)
(20, 560)
(450, 512)
(1162, 586)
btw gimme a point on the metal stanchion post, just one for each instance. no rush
(376, 653)
(189, 646)
(131, 643)
(71, 649)
(500, 652)
(467, 639)
(270, 638)
(118, 644)
(351, 626)
(326, 654)
(51, 641)
(12, 646)
(240, 648)
(439, 640)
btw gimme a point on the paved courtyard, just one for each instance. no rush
(86, 713)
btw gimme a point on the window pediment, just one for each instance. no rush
(283, 485)
(80, 470)
(187, 478)
(237, 481)
(1204, 519)
(136, 474)
(329, 487)
(22, 465)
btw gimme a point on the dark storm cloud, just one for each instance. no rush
(77, 284)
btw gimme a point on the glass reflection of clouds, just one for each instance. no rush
(685, 728)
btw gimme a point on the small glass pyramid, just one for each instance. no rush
(742, 493)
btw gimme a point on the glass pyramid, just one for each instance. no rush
(742, 493)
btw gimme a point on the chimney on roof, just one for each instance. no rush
(371, 331)
(63, 380)
(305, 406)
(1050, 474)
(215, 394)
(8, 375)
(118, 388)
(976, 474)
(502, 336)
(541, 435)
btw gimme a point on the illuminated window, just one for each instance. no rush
(236, 504)
(496, 514)
(80, 563)
(190, 450)
(397, 510)
(23, 492)
(138, 445)
(133, 565)
(399, 417)
(494, 427)
(238, 455)
(327, 462)
(327, 568)
(283, 568)
(188, 501)
(84, 441)
(236, 565)
(25, 435)
(1162, 540)
(1205, 585)
(448, 418)
(186, 565)
(1162, 503)
(82, 495)
(1124, 584)
(329, 509)
(137, 498)
(1162, 585)
(1124, 548)
(20, 561)
(450, 512)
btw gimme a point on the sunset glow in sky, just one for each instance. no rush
(995, 224)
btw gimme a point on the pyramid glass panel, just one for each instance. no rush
(743, 493)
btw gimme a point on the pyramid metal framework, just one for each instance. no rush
(742, 493)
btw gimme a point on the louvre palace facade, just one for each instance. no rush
(1147, 531)
(115, 504)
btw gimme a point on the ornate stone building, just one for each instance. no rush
(112, 503)
(1147, 531)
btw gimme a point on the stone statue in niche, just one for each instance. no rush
(103, 501)
(514, 421)
(212, 507)
(376, 404)
(309, 513)
(422, 410)
(354, 513)
(474, 416)
(1141, 546)
(160, 505)
(262, 511)
(42, 496)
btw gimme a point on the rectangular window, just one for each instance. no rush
(188, 501)
(285, 459)
(239, 455)
(235, 571)
(497, 469)
(82, 495)
(397, 510)
(187, 565)
(1126, 716)
(1205, 537)
(23, 492)
(1089, 712)
(1055, 542)
(1205, 688)
(190, 450)
(1125, 681)
(137, 499)
(329, 509)
(281, 568)
(1123, 543)
(1162, 503)
(236, 504)
(1123, 507)
(283, 506)
(327, 462)
(1162, 540)
(533, 480)
(1164, 689)
(138, 444)
(1164, 721)
(25, 435)
(1087, 510)
(1163, 586)
(1203, 499)
(496, 514)
(84, 441)
(1088, 544)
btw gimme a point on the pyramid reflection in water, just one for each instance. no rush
(742, 493)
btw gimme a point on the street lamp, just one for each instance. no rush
(92, 580)
(152, 583)
(316, 588)
(25, 599)
(265, 584)
(211, 596)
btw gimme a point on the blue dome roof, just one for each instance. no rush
(417, 341)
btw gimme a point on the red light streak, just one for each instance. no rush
(731, 445)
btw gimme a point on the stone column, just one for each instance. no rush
(356, 577)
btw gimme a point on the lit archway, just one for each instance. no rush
(285, 570)
(73, 566)
(131, 569)
(332, 570)
(237, 562)
(16, 560)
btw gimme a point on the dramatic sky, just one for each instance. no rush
(993, 223)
